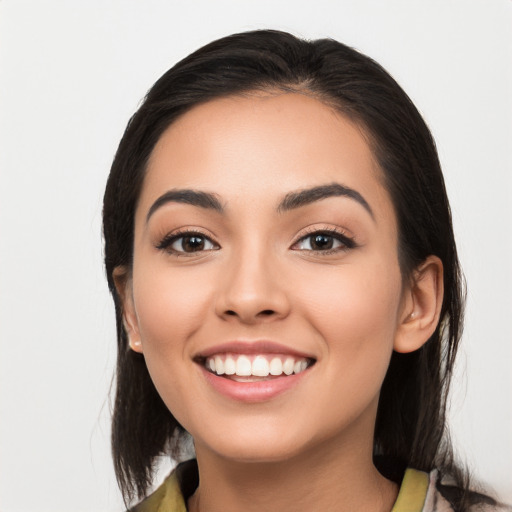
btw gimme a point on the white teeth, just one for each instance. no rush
(219, 365)
(243, 366)
(288, 366)
(229, 366)
(276, 366)
(260, 367)
(300, 366)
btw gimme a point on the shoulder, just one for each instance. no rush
(435, 492)
(172, 494)
(166, 498)
(444, 496)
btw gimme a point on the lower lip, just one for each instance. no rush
(252, 391)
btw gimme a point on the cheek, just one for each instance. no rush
(170, 305)
(356, 313)
(361, 296)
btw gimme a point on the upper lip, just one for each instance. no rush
(252, 347)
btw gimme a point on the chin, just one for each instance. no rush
(259, 454)
(256, 444)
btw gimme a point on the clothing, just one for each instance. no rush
(419, 492)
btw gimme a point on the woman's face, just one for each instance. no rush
(266, 243)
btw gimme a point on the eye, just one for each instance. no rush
(189, 242)
(324, 241)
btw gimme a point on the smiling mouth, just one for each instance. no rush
(254, 367)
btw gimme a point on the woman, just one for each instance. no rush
(279, 246)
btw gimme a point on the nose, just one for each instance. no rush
(253, 290)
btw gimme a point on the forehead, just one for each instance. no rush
(259, 146)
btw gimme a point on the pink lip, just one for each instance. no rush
(252, 347)
(252, 392)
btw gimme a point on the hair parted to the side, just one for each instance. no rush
(411, 425)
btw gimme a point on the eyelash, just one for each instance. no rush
(346, 242)
(168, 240)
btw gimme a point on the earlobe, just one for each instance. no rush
(421, 306)
(122, 280)
(136, 345)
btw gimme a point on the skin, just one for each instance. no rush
(309, 448)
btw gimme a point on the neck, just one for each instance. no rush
(330, 478)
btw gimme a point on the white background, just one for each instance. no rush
(72, 72)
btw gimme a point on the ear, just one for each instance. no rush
(421, 306)
(123, 283)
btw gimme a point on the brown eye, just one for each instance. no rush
(321, 242)
(187, 243)
(324, 241)
(191, 243)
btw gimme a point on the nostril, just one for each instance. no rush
(265, 312)
(250, 316)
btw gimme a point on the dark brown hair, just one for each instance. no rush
(411, 423)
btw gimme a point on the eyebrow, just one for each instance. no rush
(291, 201)
(307, 196)
(205, 200)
